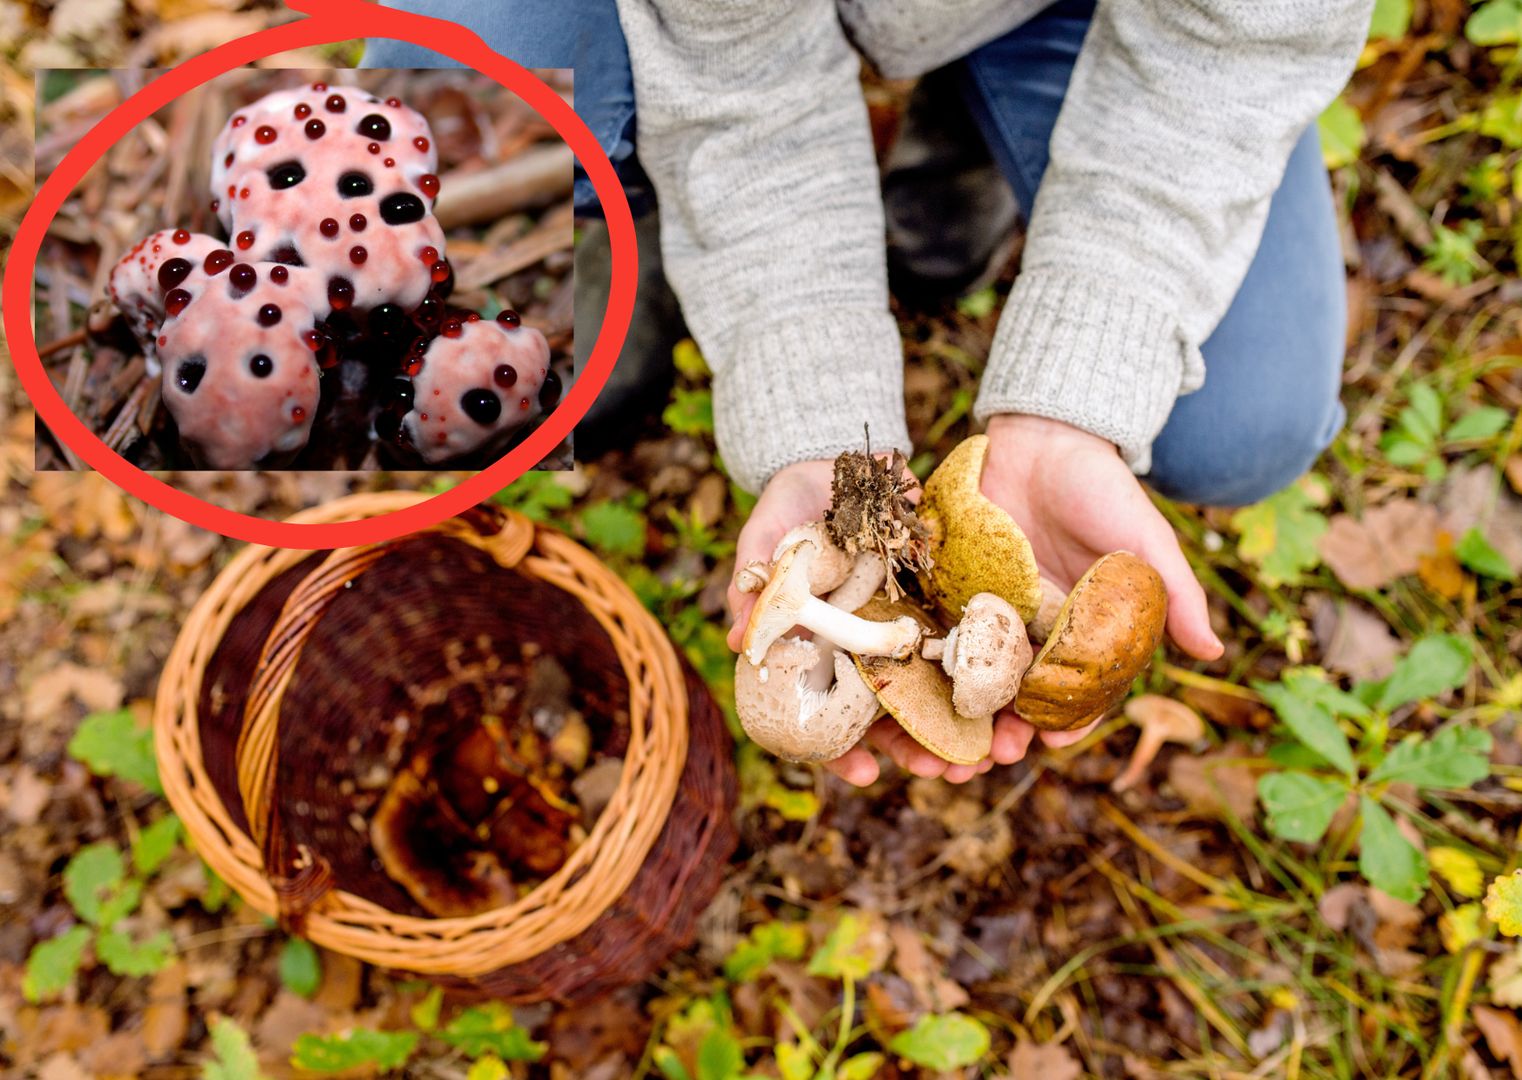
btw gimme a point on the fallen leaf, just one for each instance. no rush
(1049, 1061)
(1385, 544)
(1514, 472)
(1440, 570)
(1506, 979)
(165, 1018)
(1353, 639)
(1474, 498)
(97, 691)
(1213, 783)
(1503, 1033)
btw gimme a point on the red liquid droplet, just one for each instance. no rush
(303, 111)
(340, 293)
(218, 261)
(395, 103)
(313, 339)
(337, 104)
(452, 328)
(429, 255)
(505, 375)
(329, 227)
(509, 318)
(157, 248)
(269, 315)
(440, 271)
(280, 274)
(315, 129)
(374, 148)
(265, 134)
(232, 191)
(429, 185)
(436, 393)
(390, 163)
(473, 317)
(228, 160)
(163, 341)
(239, 121)
(425, 416)
(175, 301)
(523, 404)
(298, 414)
(216, 204)
(421, 143)
(415, 367)
(243, 277)
(358, 222)
(245, 240)
(243, 194)
(172, 273)
(358, 255)
(320, 87)
(182, 236)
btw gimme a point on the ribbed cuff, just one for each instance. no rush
(1073, 347)
(804, 388)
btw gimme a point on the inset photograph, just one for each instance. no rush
(309, 270)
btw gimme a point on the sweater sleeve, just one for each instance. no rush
(1177, 126)
(753, 129)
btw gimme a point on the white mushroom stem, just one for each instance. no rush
(943, 649)
(786, 602)
(867, 575)
(1162, 720)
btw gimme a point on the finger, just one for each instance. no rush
(959, 774)
(899, 745)
(984, 765)
(1012, 738)
(1188, 611)
(1058, 739)
(856, 766)
(741, 604)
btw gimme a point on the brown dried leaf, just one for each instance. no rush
(1214, 783)
(1384, 545)
(1474, 498)
(1049, 1061)
(1353, 639)
(1514, 472)
(1503, 1032)
(1440, 571)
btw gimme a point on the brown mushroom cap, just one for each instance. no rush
(785, 716)
(990, 653)
(977, 547)
(917, 693)
(1103, 638)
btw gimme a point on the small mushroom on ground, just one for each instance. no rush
(918, 694)
(1162, 720)
(786, 602)
(1104, 636)
(975, 546)
(985, 654)
(805, 702)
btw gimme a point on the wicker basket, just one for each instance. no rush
(285, 680)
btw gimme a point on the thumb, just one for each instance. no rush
(1188, 612)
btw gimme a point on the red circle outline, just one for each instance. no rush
(328, 21)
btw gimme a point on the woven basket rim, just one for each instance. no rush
(561, 906)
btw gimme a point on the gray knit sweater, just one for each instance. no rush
(1174, 134)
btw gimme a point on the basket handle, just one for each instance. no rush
(300, 875)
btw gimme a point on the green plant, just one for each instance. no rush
(1451, 253)
(487, 1034)
(1422, 430)
(232, 1054)
(1323, 768)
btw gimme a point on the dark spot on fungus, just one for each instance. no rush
(316, 128)
(269, 315)
(482, 406)
(286, 175)
(228, 160)
(402, 208)
(173, 272)
(218, 261)
(336, 104)
(265, 135)
(175, 301)
(351, 185)
(189, 374)
(509, 318)
(505, 375)
(261, 366)
(388, 425)
(549, 392)
(329, 227)
(287, 255)
(375, 126)
(340, 293)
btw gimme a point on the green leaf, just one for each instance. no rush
(535, 494)
(1435, 664)
(719, 1056)
(861, 1067)
(1458, 868)
(95, 884)
(669, 1064)
(980, 304)
(1400, 450)
(792, 805)
(53, 964)
(1424, 416)
(154, 844)
(300, 967)
(688, 360)
(942, 1042)
(112, 744)
(765, 943)
(1300, 807)
(125, 956)
(846, 952)
(1310, 684)
(1498, 22)
(1477, 553)
(1391, 19)
(1503, 903)
(425, 1014)
(350, 1050)
(1312, 724)
(614, 528)
(794, 1062)
(1342, 134)
(489, 1067)
(1479, 423)
(1279, 535)
(1390, 862)
(233, 1055)
(490, 1028)
(1456, 757)
(690, 412)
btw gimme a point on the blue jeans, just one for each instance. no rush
(1273, 366)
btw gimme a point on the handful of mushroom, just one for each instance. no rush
(325, 316)
(836, 639)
